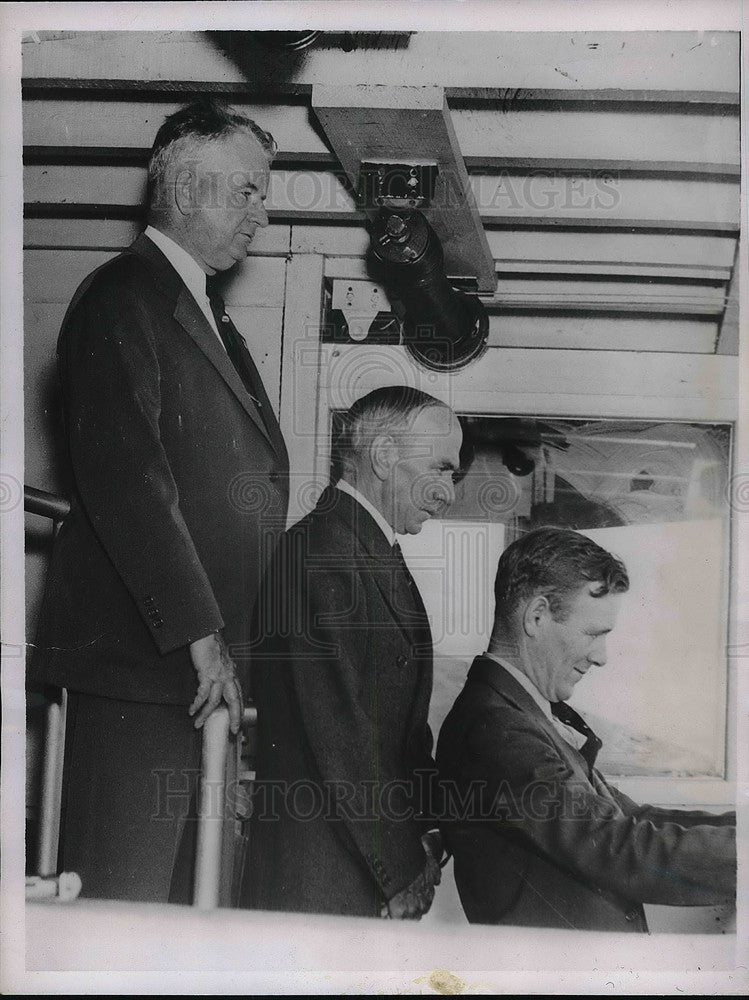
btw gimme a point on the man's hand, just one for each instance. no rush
(433, 845)
(414, 901)
(217, 680)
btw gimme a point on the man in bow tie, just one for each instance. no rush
(539, 836)
(342, 819)
(155, 572)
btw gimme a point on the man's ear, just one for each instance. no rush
(537, 613)
(383, 454)
(184, 191)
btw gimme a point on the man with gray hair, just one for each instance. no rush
(538, 835)
(155, 571)
(342, 677)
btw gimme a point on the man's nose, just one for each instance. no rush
(259, 215)
(599, 654)
(441, 493)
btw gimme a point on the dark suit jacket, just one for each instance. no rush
(537, 843)
(342, 687)
(180, 490)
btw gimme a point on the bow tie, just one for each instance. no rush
(569, 718)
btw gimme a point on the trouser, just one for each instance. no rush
(127, 822)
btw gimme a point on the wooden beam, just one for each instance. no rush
(98, 156)
(130, 156)
(585, 223)
(400, 125)
(55, 210)
(78, 88)
(512, 305)
(696, 273)
(102, 210)
(504, 98)
(667, 169)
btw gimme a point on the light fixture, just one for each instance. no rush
(444, 328)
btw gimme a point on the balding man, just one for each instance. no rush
(155, 571)
(343, 679)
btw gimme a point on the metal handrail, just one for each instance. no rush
(56, 508)
(45, 504)
(214, 762)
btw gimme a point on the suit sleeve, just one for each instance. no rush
(111, 382)
(659, 816)
(648, 856)
(339, 680)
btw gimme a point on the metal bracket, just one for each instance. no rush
(396, 186)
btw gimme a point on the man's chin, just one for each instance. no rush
(409, 529)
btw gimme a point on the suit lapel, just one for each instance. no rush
(190, 317)
(494, 674)
(405, 605)
(272, 428)
(372, 555)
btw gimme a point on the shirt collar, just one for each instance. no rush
(525, 682)
(186, 266)
(352, 491)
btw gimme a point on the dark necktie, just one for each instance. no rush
(415, 612)
(566, 714)
(233, 344)
(398, 554)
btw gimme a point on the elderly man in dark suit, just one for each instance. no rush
(342, 681)
(539, 836)
(155, 571)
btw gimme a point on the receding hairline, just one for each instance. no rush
(183, 145)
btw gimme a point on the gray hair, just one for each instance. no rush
(389, 410)
(196, 123)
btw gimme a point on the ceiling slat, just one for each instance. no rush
(653, 334)
(68, 88)
(571, 269)
(121, 155)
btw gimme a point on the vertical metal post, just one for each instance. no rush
(211, 810)
(49, 814)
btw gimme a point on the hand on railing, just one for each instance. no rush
(217, 681)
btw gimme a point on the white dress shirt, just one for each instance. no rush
(572, 736)
(188, 269)
(352, 491)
